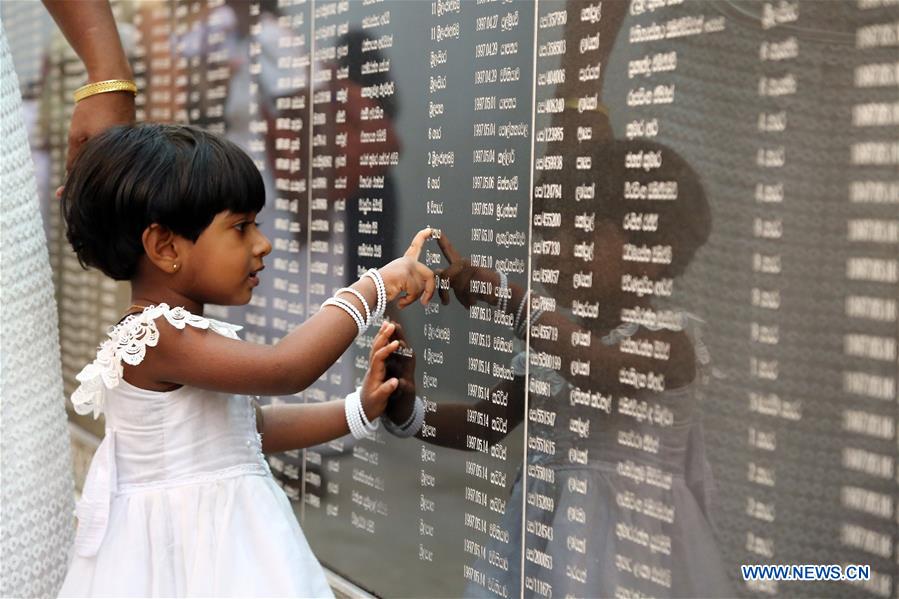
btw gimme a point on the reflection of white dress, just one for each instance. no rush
(36, 491)
(681, 551)
(179, 499)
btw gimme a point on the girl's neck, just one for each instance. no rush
(143, 296)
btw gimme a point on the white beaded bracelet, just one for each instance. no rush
(501, 292)
(372, 426)
(534, 318)
(352, 419)
(520, 312)
(352, 408)
(361, 299)
(349, 308)
(521, 326)
(411, 427)
(411, 417)
(375, 276)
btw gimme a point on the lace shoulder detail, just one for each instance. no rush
(128, 341)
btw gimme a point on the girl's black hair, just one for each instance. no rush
(132, 176)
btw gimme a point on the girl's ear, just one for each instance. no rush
(163, 247)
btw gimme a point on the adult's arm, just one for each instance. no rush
(90, 28)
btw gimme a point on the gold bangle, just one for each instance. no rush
(102, 87)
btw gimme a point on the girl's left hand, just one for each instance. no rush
(401, 364)
(375, 390)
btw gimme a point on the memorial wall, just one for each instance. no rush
(669, 237)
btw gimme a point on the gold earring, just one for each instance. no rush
(174, 267)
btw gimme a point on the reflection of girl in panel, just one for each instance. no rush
(179, 499)
(354, 195)
(228, 58)
(373, 118)
(617, 484)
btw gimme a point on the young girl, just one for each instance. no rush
(179, 499)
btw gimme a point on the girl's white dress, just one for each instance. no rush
(179, 500)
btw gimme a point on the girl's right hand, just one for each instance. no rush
(408, 275)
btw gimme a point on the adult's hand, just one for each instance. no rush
(94, 115)
(91, 31)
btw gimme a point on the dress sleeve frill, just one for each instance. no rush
(128, 342)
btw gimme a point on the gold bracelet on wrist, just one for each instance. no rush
(102, 87)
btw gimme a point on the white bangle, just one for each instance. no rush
(521, 329)
(372, 426)
(375, 276)
(352, 418)
(414, 423)
(382, 291)
(533, 320)
(411, 417)
(502, 300)
(349, 308)
(521, 324)
(360, 426)
(361, 299)
(520, 312)
(419, 419)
